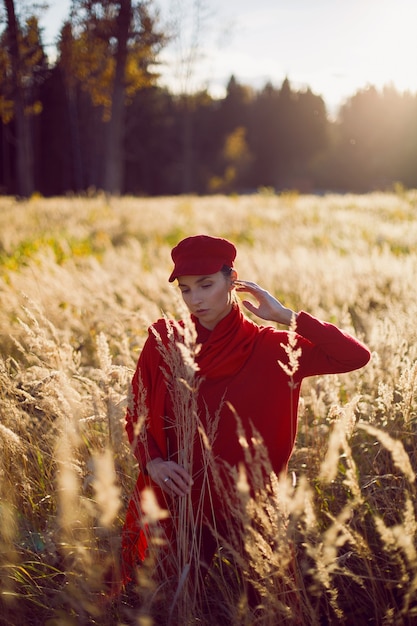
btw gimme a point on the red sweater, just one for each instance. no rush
(260, 391)
(239, 368)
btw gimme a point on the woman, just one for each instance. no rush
(248, 379)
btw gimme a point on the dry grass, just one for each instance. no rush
(80, 281)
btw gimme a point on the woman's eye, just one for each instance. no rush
(206, 286)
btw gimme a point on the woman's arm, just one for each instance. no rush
(325, 348)
(144, 423)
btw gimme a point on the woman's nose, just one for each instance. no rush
(195, 297)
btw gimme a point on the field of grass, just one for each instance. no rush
(80, 281)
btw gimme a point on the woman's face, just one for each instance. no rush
(209, 297)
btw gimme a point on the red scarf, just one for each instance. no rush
(227, 347)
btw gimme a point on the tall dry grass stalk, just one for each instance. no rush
(80, 281)
(57, 476)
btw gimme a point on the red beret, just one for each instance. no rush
(201, 254)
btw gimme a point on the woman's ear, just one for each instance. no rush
(233, 276)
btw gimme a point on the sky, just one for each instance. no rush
(334, 47)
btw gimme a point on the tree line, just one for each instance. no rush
(96, 119)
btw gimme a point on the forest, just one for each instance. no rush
(96, 118)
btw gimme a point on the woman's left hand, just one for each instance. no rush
(269, 308)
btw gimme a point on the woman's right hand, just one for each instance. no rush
(170, 476)
(268, 308)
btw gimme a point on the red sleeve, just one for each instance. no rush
(325, 349)
(139, 411)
